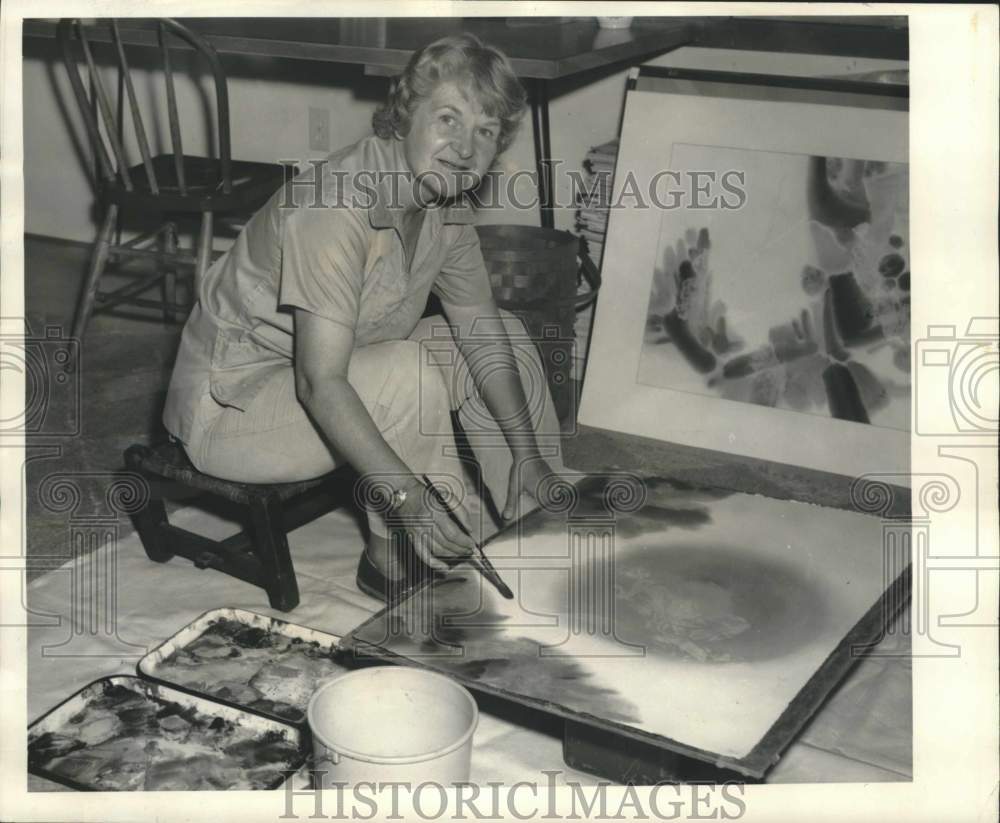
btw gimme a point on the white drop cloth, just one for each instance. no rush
(862, 734)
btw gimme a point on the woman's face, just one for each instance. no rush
(451, 143)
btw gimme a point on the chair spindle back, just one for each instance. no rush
(110, 150)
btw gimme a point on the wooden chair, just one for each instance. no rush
(166, 185)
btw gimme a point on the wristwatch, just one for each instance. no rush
(396, 499)
(399, 496)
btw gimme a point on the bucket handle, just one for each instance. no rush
(331, 757)
(590, 273)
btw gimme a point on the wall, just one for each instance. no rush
(270, 99)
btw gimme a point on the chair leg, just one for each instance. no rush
(149, 522)
(204, 250)
(116, 234)
(270, 544)
(98, 260)
(170, 274)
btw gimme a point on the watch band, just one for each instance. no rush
(397, 499)
(400, 495)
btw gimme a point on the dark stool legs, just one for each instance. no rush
(271, 547)
(258, 555)
(149, 522)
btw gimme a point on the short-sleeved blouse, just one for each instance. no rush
(334, 250)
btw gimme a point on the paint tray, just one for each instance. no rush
(124, 734)
(247, 661)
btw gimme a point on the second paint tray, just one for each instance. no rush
(243, 659)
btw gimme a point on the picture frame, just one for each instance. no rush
(812, 373)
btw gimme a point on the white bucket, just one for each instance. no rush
(391, 723)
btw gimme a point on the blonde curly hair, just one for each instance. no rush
(466, 60)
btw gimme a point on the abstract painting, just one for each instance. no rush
(694, 616)
(800, 300)
(764, 310)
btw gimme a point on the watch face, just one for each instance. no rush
(398, 499)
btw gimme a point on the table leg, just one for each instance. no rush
(543, 149)
(121, 139)
(204, 254)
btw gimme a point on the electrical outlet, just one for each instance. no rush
(319, 129)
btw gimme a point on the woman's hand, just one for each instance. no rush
(530, 475)
(433, 533)
(322, 356)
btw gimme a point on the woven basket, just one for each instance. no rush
(533, 272)
(527, 263)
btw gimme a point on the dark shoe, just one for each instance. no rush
(375, 584)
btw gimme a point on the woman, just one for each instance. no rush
(306, 348)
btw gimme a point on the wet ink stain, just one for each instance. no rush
(668, 504)
(714, 605)
(490, 654)
(655, 519)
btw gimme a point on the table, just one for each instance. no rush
(540, 49)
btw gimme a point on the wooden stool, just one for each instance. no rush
(258, 554)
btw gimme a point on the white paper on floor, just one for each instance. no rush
(697, 617)
(76, 636)
(85, 623)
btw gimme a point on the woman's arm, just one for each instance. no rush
(322, 357)
(482, 339)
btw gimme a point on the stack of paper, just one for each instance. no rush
(592, 211)
(592, 225)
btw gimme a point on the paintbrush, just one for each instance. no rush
(478, 560)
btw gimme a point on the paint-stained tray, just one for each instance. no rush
(247, 661)
(124, 734)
